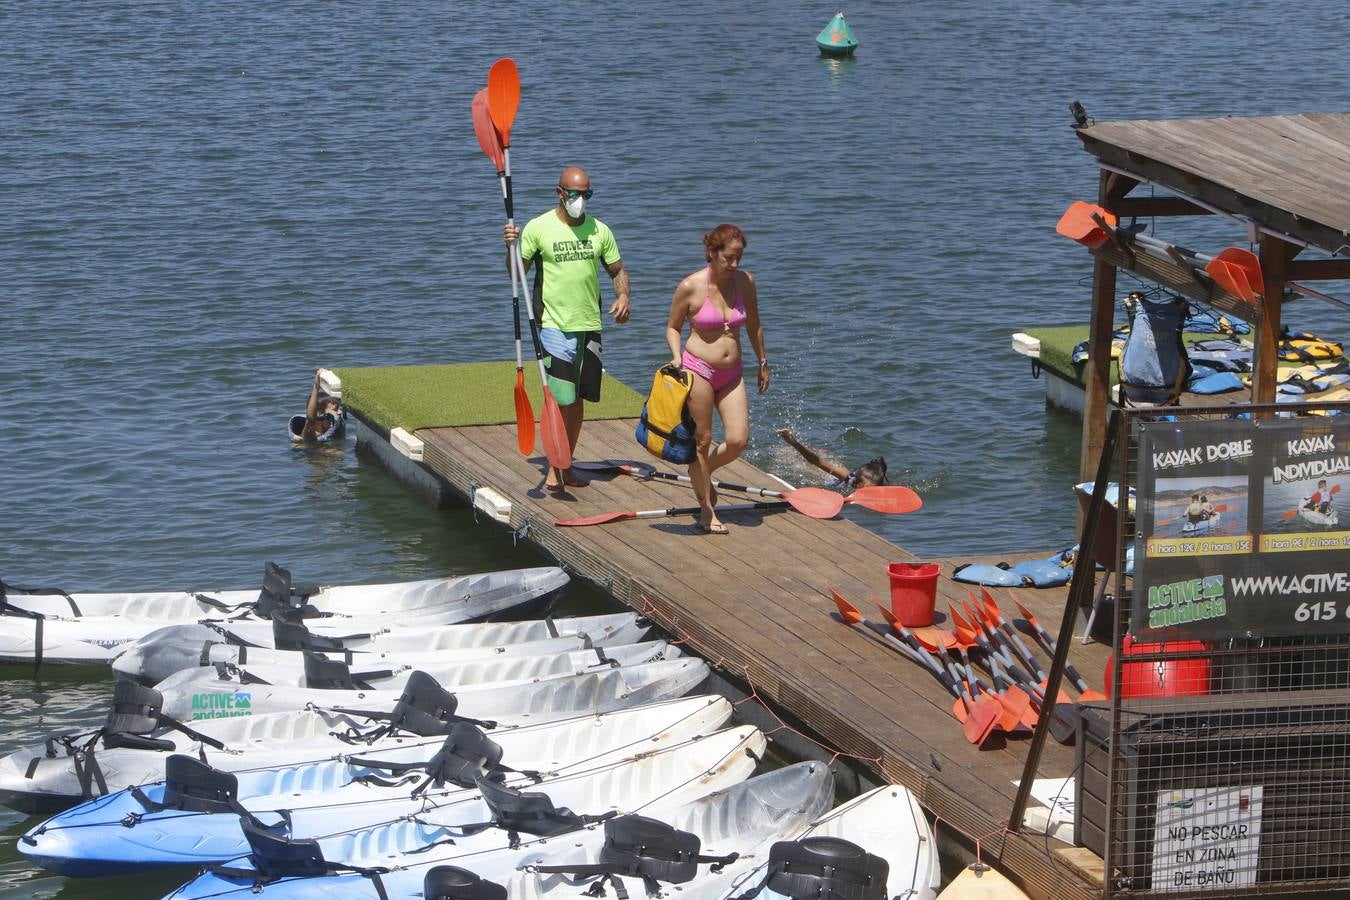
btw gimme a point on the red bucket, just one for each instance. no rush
(913, 592)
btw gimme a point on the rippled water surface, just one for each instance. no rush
(202, 202)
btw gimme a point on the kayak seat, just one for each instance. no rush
(278, 857)
(192, 785)
(454, 883)
(648, 848)
(327, 674)
(529, 812)
(641, 847)
(135, 709)
(288, 635)
(126, 741)
(424, 707)
(466, 754)
(826, 867)
(278, 592)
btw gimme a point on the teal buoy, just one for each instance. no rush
(836, 38)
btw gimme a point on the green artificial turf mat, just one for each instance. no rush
(416, 397)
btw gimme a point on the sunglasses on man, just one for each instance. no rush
(572, 195)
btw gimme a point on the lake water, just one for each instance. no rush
(203, 202)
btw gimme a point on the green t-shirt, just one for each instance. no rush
(565, 278)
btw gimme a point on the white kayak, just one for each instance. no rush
(446, 600)
(165, 651)
(196, 694)
(313, 670)
(1209, 524)
(1316, 516)
(131, 747)
(193, 815)
(670, 781)
(59, 628)
(886, 822)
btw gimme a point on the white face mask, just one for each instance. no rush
(575, 207)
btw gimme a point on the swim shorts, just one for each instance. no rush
(573, 364)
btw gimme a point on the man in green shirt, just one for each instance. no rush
(568, 243)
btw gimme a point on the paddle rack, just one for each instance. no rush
(1220, 766)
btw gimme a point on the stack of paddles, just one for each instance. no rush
(1015, 698)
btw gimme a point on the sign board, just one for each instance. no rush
(1206, 838)
(1239, 528)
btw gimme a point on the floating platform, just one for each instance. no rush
(1050, 350)
(753, 602)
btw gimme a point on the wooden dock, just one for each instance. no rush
(755, 604)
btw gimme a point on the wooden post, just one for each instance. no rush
(1097, 375)
(1275, 258)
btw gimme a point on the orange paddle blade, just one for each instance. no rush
(1077, 224)
(483, 130)
(817, 503)
(965, 634)
(984, 718)
(554, 430)
(934, 639)
(504, 96)
(990, 604)
(524, 416)
(1026, 613)
(1248, 263)
(1288, 514)
(892, 499)
(1231, 279)
(847, 611)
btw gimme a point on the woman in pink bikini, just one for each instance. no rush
(716, 302)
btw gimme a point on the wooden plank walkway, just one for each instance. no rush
(754, 603)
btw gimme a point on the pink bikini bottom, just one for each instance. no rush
(718, 378)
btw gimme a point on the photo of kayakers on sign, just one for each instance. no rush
(1309, 505)
(1200, 505)
(1309, 473)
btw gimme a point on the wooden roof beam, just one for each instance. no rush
(1319, 269)
(1204, 191)
(1150, 207)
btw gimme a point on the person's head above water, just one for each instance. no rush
(872, 472)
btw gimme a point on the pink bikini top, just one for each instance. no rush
(708, 316)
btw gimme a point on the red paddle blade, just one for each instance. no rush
(934, 639)
(1077, 224)
(1026, 613)
(847, 611)
(1231, 279)
(600, 519)
(892, 499)
(483, 130)
(554, 430)
(984, 716)
(524, 416)
(990, 604)
(503, 96)
(817, 503)
(1248, 264)
(964, 633)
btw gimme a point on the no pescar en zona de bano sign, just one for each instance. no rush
(1239, 531)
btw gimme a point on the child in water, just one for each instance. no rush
(324, 418)
(870, 473)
